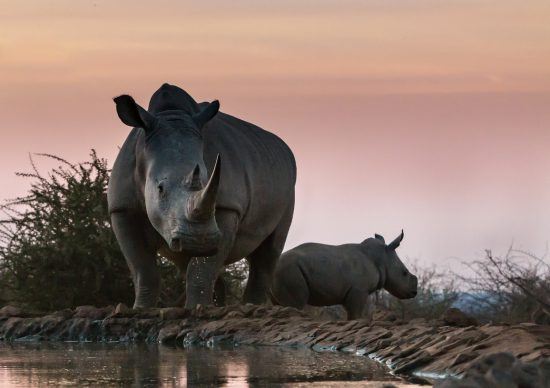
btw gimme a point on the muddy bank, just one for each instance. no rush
(426, 348)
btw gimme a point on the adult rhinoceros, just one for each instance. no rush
(203, 189)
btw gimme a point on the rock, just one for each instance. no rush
(168, 334)
(234, 315)
(285, 312)
(219, 340)
(121, 310)
(92, 312)
(171, 313)
(191, 339)
(501, 370)
(407, 347)
(421, 358)
(382, 315)
(524, 374)
(501, 361)
(64, 314)
(11, 311)
(464, 357)
(327, 313)
(455, 317)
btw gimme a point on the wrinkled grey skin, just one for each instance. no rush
(324, 275)
(169, 194)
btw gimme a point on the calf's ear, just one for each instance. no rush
(395, 243)
(206, 114)
(378, 237)
(130, 113)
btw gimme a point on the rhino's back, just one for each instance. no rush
(330, 270)
(258, 171)
(316, 258)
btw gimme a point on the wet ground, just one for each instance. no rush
(97, 364)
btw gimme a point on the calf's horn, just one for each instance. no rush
(395, 243)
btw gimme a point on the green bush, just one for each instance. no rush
(57, 248)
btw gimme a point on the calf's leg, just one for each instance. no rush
(356, 304)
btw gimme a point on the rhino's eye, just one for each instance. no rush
(161, 188)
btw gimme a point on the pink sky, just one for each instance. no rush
(429, 116)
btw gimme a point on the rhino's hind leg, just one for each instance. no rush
(263, 260)
(140, 256)
(290, 288)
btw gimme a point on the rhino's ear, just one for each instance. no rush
(378, 237)
(395, 243)
(130, 113)
(206, 114)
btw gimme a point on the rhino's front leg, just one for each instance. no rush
(140, 256)
(203, 271)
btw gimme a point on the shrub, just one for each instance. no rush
(436, 293)
(57, 248)
(235, 276)
(511, 288)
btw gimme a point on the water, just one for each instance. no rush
(96, 364)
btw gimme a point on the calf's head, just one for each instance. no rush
(180, 197)
(398, 280)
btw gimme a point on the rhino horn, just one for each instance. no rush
(205, 203)
(395, 243)
(193, 180)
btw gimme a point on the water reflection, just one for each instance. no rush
(38, 364)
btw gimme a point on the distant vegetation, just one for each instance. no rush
(57, 250)
(437, 291)
(511, 288)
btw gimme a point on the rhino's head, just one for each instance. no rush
(399, 281)
(180, 197)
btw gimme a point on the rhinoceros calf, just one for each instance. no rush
(324, 275)
(203, 189)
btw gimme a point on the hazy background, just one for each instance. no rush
(425, 115)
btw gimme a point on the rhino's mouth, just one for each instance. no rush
(205, 245)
